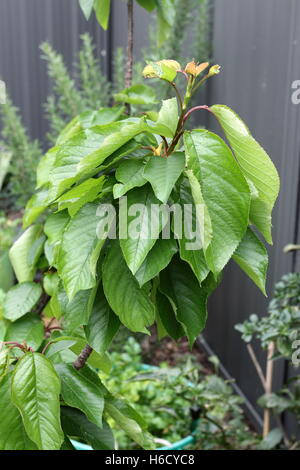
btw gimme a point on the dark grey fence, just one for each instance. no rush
(257, 42)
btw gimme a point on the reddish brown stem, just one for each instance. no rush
(196, 108)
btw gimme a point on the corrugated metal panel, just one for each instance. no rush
(24, 25)
(258, 45)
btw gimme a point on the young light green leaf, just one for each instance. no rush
(162, 174)
(35, 207)
(12, 433)
(252, 257)
(28, 329)
(143, 225)
(256, 166)
(100, 116)
(225, 194)
(80, 392)
(20, 299)
(130, 174)
(55, 226)
(36, 250)
(81, 155)
(102, 9)
(157, 259)
(45, 165)
(136, 94)
(130, 302)
(18, 253)
(80, 237)
(87, 7)
(35, 390)
(75, 424)
(77, 197)
(182, 289)
(103, 324)
(167, 119)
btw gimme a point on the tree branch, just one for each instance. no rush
(129, 62)
(83, 357)
(257, 366)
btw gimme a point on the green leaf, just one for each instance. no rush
(12, 433)
(128, 420)
(50, 282)
(45, 165)
(19, 252)
(20, 299)
(165, 19)
(137, 94)
(130, 174)
(132, 304)
(77, 312)
(80, 237)
(100, 116)
(181, 287)
(162, 174)
(194, 257)
(102, 9)
(256, 166)
(167, 120)
(28, 329)
(5, 158)
(36, 250)
(82, 154)
(75, 424)
(225, 194)
(252, 257)
(80, 392)
(147, 4)
(55, 226)
(87, 7)
(35, 392)
(167, 317)
(157, 259)
(143, 224)
(77, 197)
(35, 207)
(56, 348)
(271, 440)
(103, 324)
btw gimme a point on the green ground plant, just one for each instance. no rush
(183, 401)
(278, 333)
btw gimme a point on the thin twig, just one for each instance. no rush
(129, 61)
(269, 379)
(257, 366)
(83, 357)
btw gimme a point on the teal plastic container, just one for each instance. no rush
(179, 445)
